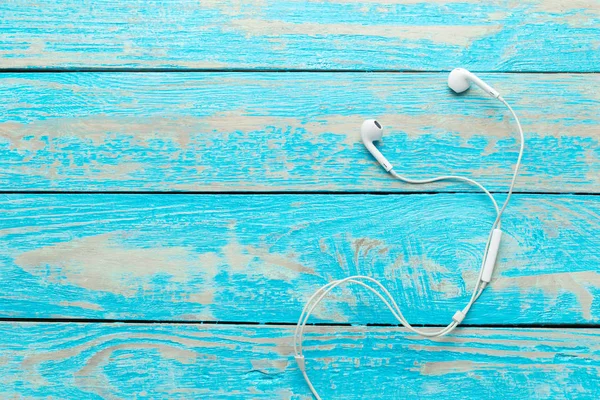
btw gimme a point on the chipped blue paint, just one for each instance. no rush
(94, 361)
(200, 257)
(277, 132)
(537, 35)
(256, 258)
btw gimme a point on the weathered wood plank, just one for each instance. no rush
(532, 35)
(270, 131)
(75, 361)
(259, 257)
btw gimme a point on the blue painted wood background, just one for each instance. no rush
(178, 177)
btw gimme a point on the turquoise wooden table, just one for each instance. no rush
(178, 177)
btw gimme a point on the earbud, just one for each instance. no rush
(371, 131)
(460, 80)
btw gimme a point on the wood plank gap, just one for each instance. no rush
(254, 323)
(294, 193)
(266, 70)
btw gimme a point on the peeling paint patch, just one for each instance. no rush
(450, 367)
(81, 304)
(553, 285)
(105, 263)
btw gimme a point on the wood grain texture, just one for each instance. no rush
(116, 361)
(282, 132)
(499, 35)
(259, 257)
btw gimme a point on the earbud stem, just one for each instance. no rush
(484, 86)
(379, 157)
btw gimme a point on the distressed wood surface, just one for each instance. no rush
(241, 258)
(499, 35)
(282, 132)
(114, 361)
(259, 257)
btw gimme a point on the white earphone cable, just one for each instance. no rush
(386, 297)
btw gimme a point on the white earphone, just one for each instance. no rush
(371, 131)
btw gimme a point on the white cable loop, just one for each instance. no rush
(386, 297)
